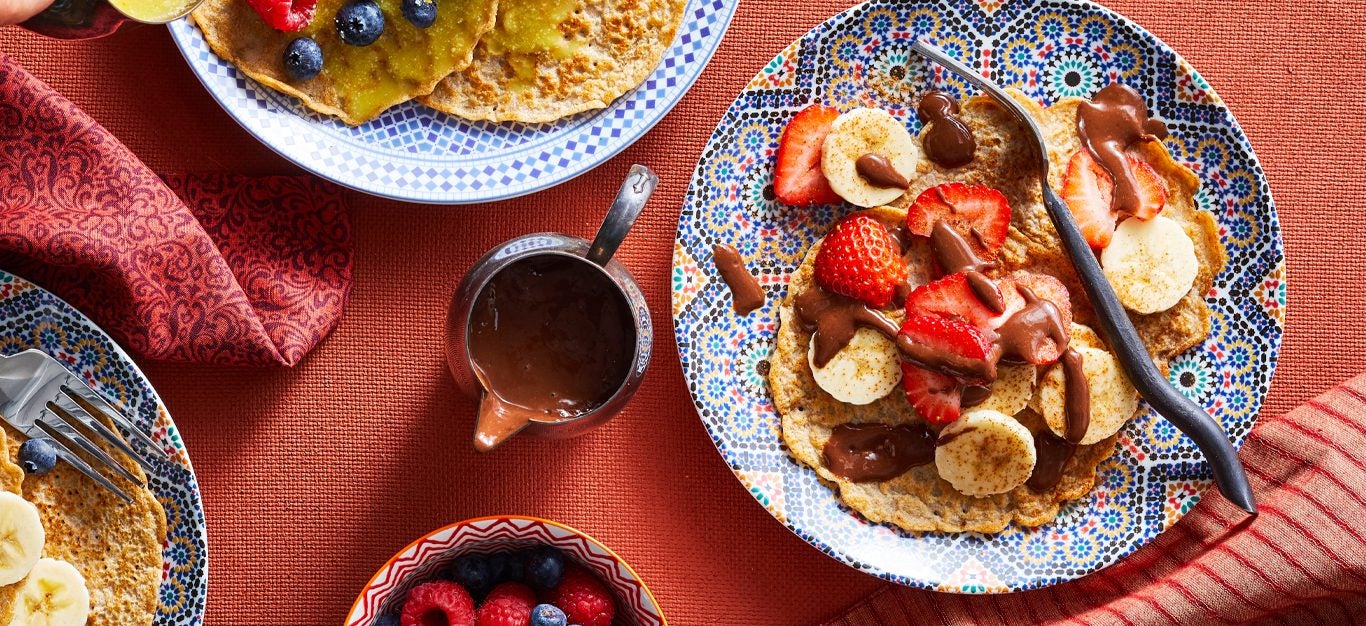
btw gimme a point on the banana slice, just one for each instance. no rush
(54, 594)
(985, 452)
(1083, 337)
(21, 537)
(865, 370)
(1012, 389)
(1150, 263)
(1113, 398)
(860, 132)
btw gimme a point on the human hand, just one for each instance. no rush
(15, 11)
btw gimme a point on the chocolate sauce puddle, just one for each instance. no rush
(1114, 119)
(948, 141)
(877, 452)
(550, 338)
(745, 293)
(878, 171)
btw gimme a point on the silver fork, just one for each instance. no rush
(40, 398)
(1204, 430)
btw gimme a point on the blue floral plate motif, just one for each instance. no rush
(414, 153)
(1049, 49)
(31, 317)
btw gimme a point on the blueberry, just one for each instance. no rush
(303, 58)
(544, 567)
(360, 23)
(388, 619)
(548, 615)
(422, 13)
(473, 572)
(507, 566)
(37, 456)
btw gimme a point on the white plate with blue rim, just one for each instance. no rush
(1050, 49)
(414, 153)
(33, 318)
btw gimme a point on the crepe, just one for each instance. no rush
(919, 500)
(550, 58)
(116, 547)
(357, 83)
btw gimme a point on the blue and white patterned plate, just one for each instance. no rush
(1049, 49)
(31, 317)
(414, 153)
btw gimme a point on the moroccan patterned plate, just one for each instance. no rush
(414, 153)
(30, 317)
(1051, 49)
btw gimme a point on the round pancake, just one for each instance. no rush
(116, 547)
(547, 59)
(919, 500)
(357, 83)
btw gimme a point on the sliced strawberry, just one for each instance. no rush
(1089, 191)
(1044, 287)
(285, 15)
(797, 177)
(860, 259)
(950, 296)
(936, 397)
(1152, 190)
(967, 209)
(948, 346)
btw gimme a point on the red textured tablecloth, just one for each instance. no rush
(313, 477)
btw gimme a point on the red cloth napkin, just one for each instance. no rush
(208, 269)
(1302, 560)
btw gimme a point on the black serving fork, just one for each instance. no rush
(1229, 475)
(40, 398)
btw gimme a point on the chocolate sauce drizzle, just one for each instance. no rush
(860, 453)
(1114, 119)
(1052, 452)
(879, 172)
(745, 293)
(877, 452)
(948, 141)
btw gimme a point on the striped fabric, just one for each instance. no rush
(1301, 561)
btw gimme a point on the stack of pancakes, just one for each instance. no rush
(495, 67)
(920, 500)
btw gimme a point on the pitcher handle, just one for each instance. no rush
(635, 191)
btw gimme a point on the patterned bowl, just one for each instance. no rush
(1050, 49)
(414, 153)
(422, 559)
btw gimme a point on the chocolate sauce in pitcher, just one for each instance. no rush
(550, 338)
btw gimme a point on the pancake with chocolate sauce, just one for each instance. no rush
(919, 500)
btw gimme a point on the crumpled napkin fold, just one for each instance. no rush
(220, 268)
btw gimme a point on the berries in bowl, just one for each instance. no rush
(505, 571)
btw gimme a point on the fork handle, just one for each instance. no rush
(1209, 436)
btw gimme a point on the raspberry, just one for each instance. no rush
(436, 603)
(583, 598)
(509, 604)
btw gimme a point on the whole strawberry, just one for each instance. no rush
(509, 604)
(583, 598)
(860, 259)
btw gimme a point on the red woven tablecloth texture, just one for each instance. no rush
(314, 476)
